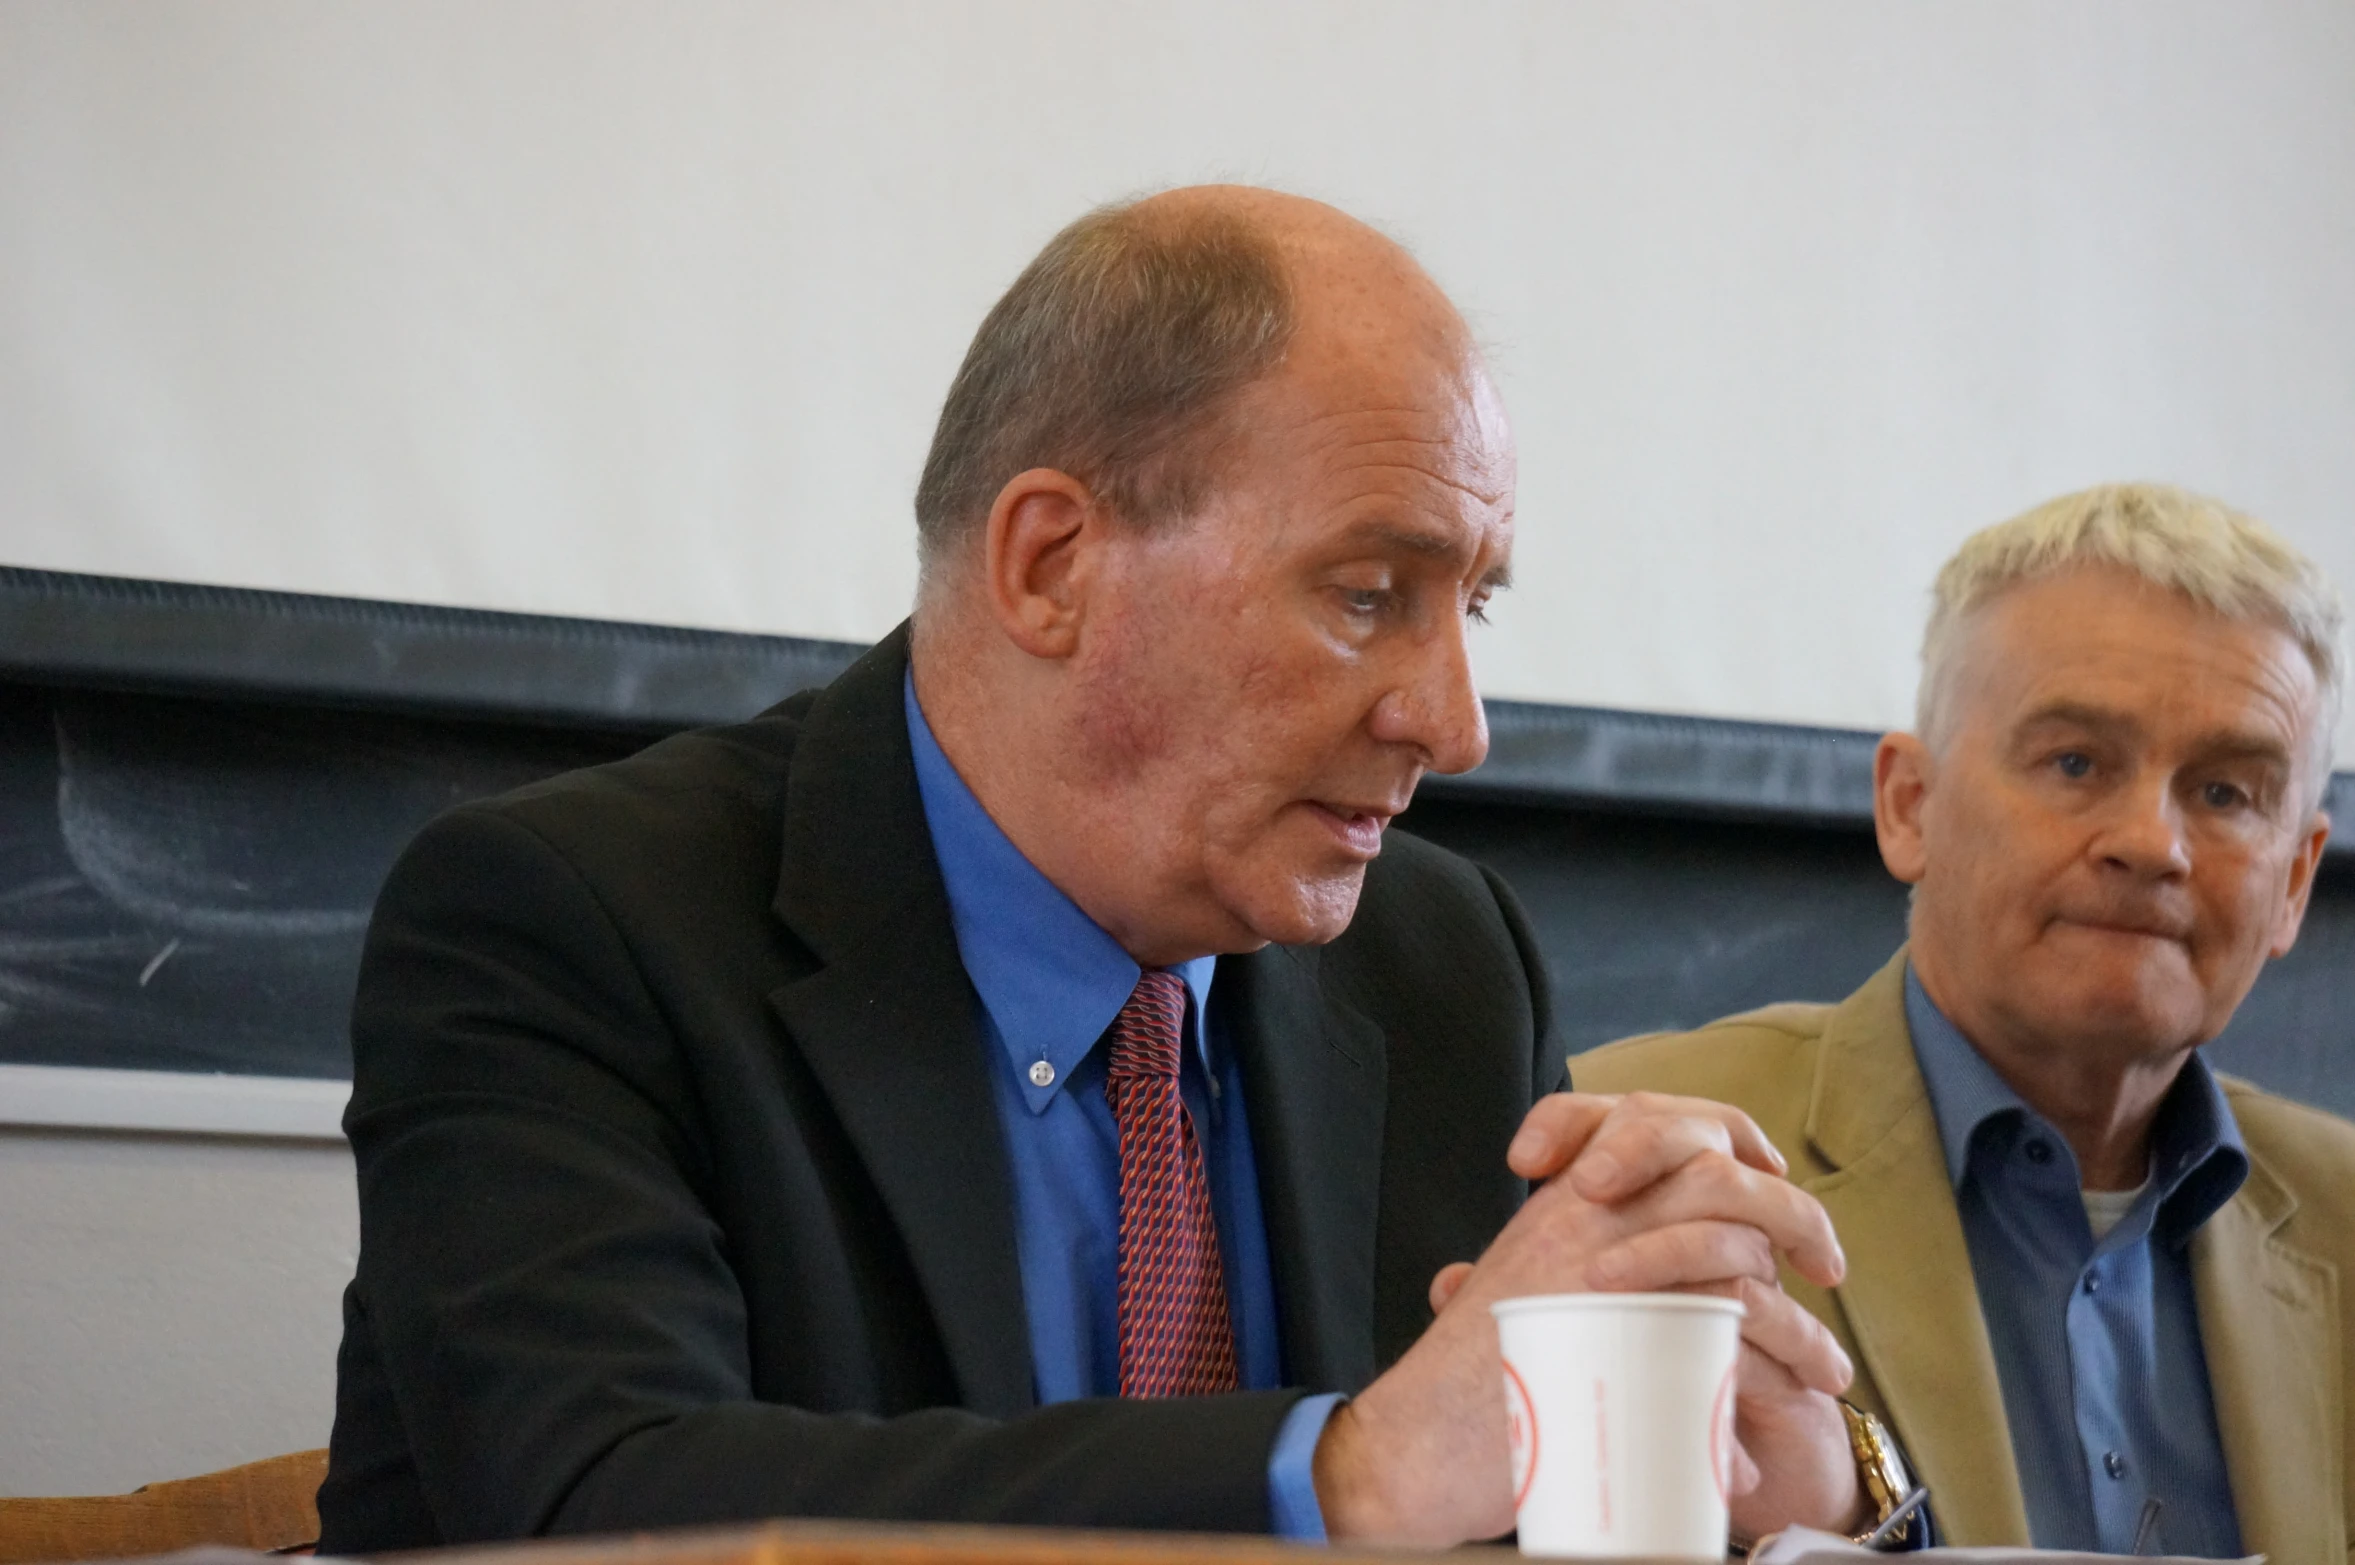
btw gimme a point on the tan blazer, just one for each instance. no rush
(1836, 1088)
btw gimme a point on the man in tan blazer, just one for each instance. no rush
(2100, 1294)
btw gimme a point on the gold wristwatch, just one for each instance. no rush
(1880, 1472)
(1879, 1468)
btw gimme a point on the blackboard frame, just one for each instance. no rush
(119, 633)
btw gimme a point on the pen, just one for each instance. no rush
(1883, 1535)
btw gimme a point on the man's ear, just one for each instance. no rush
(2307, 859)
(1902, 767)
(1039, 558)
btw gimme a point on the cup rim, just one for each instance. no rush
(1640, 1303)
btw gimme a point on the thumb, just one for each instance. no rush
(1446, 1282)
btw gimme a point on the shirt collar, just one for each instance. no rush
(1051, 979)
(2198, 1159)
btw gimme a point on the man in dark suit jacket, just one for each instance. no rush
(684, 1191)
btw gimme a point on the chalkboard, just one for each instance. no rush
(184, 883)
(201, 791)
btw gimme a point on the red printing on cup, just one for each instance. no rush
(1721, 1439)
(1520, 1434)
(1602, 1458)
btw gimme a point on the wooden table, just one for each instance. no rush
(862, 1543)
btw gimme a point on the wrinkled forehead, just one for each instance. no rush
(2104, 636)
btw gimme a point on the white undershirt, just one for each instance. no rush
(2105, 1208)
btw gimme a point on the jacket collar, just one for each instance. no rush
(2268, 1323)
(890, 1024)
(1315, 1084)
(1908, 1296)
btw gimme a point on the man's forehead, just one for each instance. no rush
(2082, 645)
(1442, 418)
(1381, 383)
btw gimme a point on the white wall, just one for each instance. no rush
(168, 1304)
(644, 310)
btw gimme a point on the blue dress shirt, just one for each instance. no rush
(1051, 981)
(2097, 1344)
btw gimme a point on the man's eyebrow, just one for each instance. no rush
(1411, 540)
(1430, 546)
(2241, 745)
(2078, 714)
(2222, 744)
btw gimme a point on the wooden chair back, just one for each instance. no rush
(270, 1504)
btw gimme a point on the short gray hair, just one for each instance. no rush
(1113, 358)
(2187, 543)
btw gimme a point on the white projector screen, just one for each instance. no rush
(643, 311)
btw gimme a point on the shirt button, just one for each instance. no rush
(2114, 1465)
(1042, 1074)
(2093, 1282)
(2039, 1152)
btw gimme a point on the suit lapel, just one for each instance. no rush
(890, 1023)
(1909, 1299)
(2266, 1313)
(1315, 1080)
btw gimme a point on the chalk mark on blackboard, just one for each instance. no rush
(155, 962)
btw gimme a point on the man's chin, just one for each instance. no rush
(1307, 911)
(2131, 1009)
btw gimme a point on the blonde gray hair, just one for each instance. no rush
(2187, 543)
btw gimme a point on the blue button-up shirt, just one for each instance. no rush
(1051, 982)
(2097, 1343)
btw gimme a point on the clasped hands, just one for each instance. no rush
(1637, 1194)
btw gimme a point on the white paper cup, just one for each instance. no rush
(1620, 1408)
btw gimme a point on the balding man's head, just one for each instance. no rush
(1199, 732)
(1117, 354)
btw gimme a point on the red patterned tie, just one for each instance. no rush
(1176, 1339)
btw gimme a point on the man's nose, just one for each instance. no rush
(2144, 831)
(1437, 709)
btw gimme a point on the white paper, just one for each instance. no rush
(1805, 1546)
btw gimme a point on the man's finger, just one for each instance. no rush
(1713, 1187)
(1681, 1255)
(1640, 1143)
(1792, 1341)
(1745, 1475)
(1648, 1134)
(1445, 1283)
(1554, 1131)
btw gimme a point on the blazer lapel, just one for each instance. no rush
(2266, 1312)
(1909, 1299)
(890, 1023)
(1315, 1081)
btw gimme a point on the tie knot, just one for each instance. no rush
(1145, 1034)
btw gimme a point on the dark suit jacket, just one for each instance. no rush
(683, 1196)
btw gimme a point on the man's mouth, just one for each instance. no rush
(1357, 826)
(2147, 927)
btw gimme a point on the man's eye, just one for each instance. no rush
(1366, 600)
(2222, 796)
(2073, 764)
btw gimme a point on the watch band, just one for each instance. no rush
(1880, 1469)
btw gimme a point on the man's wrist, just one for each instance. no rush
(1348, 1492)
(1294, 1510)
